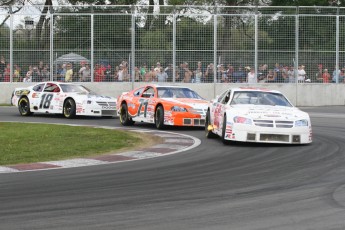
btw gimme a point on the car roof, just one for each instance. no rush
(255, 89)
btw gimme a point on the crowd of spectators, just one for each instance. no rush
(199, 73)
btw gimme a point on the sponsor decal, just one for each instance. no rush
(35, 95)
(108, 107)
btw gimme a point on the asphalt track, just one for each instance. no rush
(212, 186)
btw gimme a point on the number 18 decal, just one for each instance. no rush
(46, 100)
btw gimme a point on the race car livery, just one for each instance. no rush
(257, 115)
(162, 105)
(62, 98)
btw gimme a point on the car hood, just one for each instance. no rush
(94, 97)
(190, 102)
(269, 112)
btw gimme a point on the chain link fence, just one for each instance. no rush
(193, 44)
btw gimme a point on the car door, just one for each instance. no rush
(47, 102)
(219, 110)
(146, 104)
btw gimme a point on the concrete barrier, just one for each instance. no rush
(308, 94)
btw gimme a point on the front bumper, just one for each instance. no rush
(249, 133)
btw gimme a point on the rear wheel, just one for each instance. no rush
(24, 106)
(208, 126)
(69, 108)
(159, 118)
(125, 119)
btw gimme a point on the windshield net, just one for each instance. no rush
(68, 88)
(259, 98)
(174, 92)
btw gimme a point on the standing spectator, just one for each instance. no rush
(229, 72)
(7, 73)
(69, 73)
(63, 72)
(301, 74)
(161, 75)
(99, 73)
(325, 76)
(291, 74)
(270, 76)
(85, 73)
(335, 74)
(27, 77)
(280, 75)
(36, 75)
(187, 74)
(198, 74)
(158, 67)
(137, 75)
(181, 71)
(120, 73)
(169, 70)
(45, 75)
(16, 74)
(40, 66)
(143, 69)
(2, 68)
(108, 73)
(251, 77)
(209, 74)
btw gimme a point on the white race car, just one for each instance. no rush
(257, 115)
(62, 98)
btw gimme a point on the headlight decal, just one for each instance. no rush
(303, 122)
(178, 109)
(242, 120)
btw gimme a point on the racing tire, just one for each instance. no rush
(208, 133)
(69, 108)
(159, 118)
(24, 106)
(125, 119)
(225, 142)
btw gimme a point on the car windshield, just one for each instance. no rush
(175, 92)
(259, 98)
(69, 88)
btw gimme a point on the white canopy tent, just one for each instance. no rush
(71, 57)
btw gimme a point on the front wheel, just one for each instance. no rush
(159, 118)
(69, 108)
(224, 131)
(125, 119)
(24, 106)
(208, 126)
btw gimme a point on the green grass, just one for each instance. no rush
(27, 142)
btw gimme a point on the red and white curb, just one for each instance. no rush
(172, 143)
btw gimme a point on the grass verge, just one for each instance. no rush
(27, 142)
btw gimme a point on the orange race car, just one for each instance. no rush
(162, 105)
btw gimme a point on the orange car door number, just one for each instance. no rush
(143, 107)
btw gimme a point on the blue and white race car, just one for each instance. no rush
(257, 115)
(68, 99)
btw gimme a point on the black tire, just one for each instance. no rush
(24, 106)
(208, 133)
(125, 119)
(223, 131)
(159, 118)
(69, 108)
